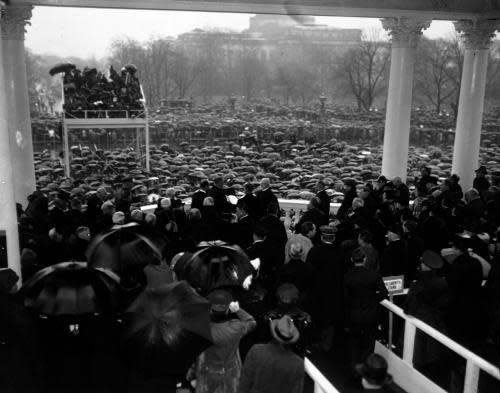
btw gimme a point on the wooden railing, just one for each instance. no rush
(321, 384)
(474, 363)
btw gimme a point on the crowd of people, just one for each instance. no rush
(91, 90)
(319, 277)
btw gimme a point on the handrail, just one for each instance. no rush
(321, 384)
(443, 339)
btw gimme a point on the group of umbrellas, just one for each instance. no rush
(168, 322)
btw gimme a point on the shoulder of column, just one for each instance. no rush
(405, 31)
(13, 20)
(477, 34)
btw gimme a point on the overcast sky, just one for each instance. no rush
(88, 32)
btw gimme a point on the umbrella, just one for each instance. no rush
(61, 67)
(124, 247)
(216, 264)
(72, 288)
(166, 328)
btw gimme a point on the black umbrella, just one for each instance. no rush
(124, 247)
(72, 289)
(166, 328)
(61, 67)
(216, 264)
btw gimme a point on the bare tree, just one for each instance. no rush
(185, 69)
(364, 68)
(434, 77)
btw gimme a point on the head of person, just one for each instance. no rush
(296, 251)
(430, 260)
(118, 218)
(170, 193)
(260, 232)
(454, 179)
(76, 204)
(349, 185)
(394, 233)
(208, 201)
(314, 203)
(397, 181)
(365, 239)
(481, 171)
(102, 193)
(373, 372)
(265, 183)
(327, 233)
(287, 295)
(204, 185)
(241, 209)
(365, 192)
(409, 227)
(357, 203)
(194, 215)
(165, 203)
(108, 208)
(219, 182)
(150, 220)
(248, 188)
(308, 229)
(425, 171)
(380, 182)
(219, 302)
(471, 195)
(320, 186)
(137, 216)
(284, 331)
(358, 257)
(83, 233)
(8, 281)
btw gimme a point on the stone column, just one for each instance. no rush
(476, 37)
(9, 236)
(405, 33)
(21, 143)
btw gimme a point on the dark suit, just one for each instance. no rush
(220, 201)
(363, 290)
(241, 233)
(271, 259)
(253, 204)
(324, 202)
(197, 199)
(265, 198)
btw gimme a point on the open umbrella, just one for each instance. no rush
(216, 264)
(166, 328)
(72, 289)
(61, 67)
(124, 247)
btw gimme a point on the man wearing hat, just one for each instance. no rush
(394, 259)
(349, 195)
(480, 183)
(218, 368)
(200, 195)
(329, 259)
(266, 196)
(427, 300)
(274, 367)
(218, 194)
(323, 197)
(373, 373)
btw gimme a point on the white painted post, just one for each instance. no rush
(409, 342)
(471, 377)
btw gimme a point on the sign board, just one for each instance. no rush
(394, 284)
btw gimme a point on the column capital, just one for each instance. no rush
(13, 20)
(404, 31)
(477, 34)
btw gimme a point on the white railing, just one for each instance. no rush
(321, 384)
(474, 362)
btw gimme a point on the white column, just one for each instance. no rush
(21, 143)
(405, 33)
(476, 38)
(8, 217)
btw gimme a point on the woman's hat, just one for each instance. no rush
(284, 331)
(374, 370)
(432, 259)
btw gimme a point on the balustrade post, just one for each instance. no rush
(471, 377)
(409, 342)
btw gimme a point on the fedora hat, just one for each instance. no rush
(432, 259)
(284, 331)
(374, 370)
